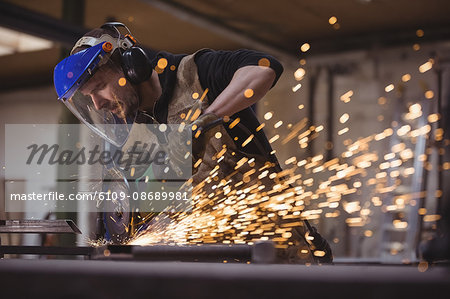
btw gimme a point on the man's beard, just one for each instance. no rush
(124, 108)
(118, 107)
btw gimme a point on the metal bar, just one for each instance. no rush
(43, 250)
(39, 226)
(261, 252)
(193, 252)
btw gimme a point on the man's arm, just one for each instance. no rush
(248, 85)
(228, 74)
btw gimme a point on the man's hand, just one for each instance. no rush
(178, 149)
(198, 132)
(203, 129)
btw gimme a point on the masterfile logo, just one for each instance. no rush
(57, 167)
(53, 154)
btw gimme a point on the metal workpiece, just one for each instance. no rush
(262, 252)
(204, 253)
(39, 227)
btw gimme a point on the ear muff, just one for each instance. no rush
(135, 63)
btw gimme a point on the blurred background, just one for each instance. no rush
(359, 112)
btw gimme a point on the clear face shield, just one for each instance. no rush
(107, 103)
(95, 90)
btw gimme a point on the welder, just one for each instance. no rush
(108, 79)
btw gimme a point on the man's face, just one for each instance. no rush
(110, 91)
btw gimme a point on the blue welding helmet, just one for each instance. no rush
(94, 88)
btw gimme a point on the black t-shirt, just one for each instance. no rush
(215, 71)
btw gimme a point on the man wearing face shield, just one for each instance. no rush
(108, 81)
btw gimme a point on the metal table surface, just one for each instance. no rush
(138, 279)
